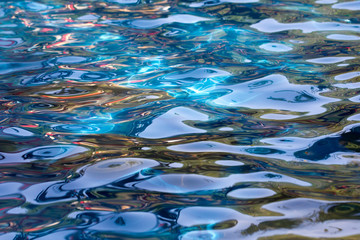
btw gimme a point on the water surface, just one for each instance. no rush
(179, 119)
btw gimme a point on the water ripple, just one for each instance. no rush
(272, 26)
(108, 171)
(206, 119)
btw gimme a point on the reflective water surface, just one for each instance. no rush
(179, 119)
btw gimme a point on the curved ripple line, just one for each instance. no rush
(271, 25)
(48, 153)
(108, 171)
(187, 183)
(178, 18)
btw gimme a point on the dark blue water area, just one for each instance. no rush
(179, 119)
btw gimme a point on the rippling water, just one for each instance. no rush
(148, 119)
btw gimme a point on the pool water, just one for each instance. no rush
(179, 119)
